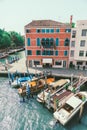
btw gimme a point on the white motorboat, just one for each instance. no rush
(65, 113)
(52, 89)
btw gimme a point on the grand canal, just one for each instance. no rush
(16, 115)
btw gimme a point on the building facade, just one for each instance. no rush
(47, 43)
(78, 45)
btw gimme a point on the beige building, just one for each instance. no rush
(78, 46)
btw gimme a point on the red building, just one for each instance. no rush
(47, 43)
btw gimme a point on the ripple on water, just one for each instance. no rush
(25, 116)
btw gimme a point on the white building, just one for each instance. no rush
(78, 45)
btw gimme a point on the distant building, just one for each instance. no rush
(78, 45)
(47, 43)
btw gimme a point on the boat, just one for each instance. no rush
(75, 103)
(52, 89)
(59, 98)
(3, 55)
(21, 80)
(77, 84)
(62, 95)
(35, 85)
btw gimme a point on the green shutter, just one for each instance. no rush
(57, 41)
(38, 41)
(28, 41)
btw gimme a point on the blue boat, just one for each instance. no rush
(19, 81)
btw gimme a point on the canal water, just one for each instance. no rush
(19, 55)
(16, 115)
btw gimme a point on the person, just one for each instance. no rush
(27, 91)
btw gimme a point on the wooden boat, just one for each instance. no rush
(62, 95)
(75, 103)
(59, 98)
(52, 89)
(35, 86)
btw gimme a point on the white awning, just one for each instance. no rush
(47, 60)
(74, 102)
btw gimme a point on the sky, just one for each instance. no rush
(15, 14)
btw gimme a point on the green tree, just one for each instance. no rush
(5, 40)
(16, 39)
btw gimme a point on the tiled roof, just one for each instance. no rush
(47, 23)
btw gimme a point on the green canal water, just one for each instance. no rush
(31, 115)
(20, 55)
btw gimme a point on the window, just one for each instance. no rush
(29, 52)
(57, 41)
(66, 43)
(84, 32)
(51, 42)
(65, 53)
(81, 53)
(38, 52)
(57, 30)
(86, 54)
(56, 53)
(72, 53)
(36, 62)
(38, 30)
(44, 52)
(52, 30)
(47, 43)
(38, 41)
(58, 63)
(82, 43)
(67, 30)
(51, 52)
(72, 43)
(27, 31)
(28, 41)
(73, 34)
(79, 63)
(43, 30)
(43, 42)
(47, 30)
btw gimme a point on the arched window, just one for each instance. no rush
(47, 43)
(43, 41)
(51, 42)
(67, 41)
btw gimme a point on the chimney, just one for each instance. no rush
(71, 17)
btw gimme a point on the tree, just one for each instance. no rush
(5, 40)
(16, 38)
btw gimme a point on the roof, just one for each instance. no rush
(74, 102)
(47, 23)
(58, 83)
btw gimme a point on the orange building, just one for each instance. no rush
(47, 43)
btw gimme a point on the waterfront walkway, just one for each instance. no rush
(20, 66)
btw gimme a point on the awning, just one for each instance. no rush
(47, 60)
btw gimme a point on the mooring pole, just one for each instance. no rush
(80, 113)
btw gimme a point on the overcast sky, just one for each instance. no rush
(15, 14)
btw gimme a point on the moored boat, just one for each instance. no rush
(75, 103)
(35, 86)
(52, 89)
(19, 81)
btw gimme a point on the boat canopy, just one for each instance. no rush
(58, 83)
(74, 102)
